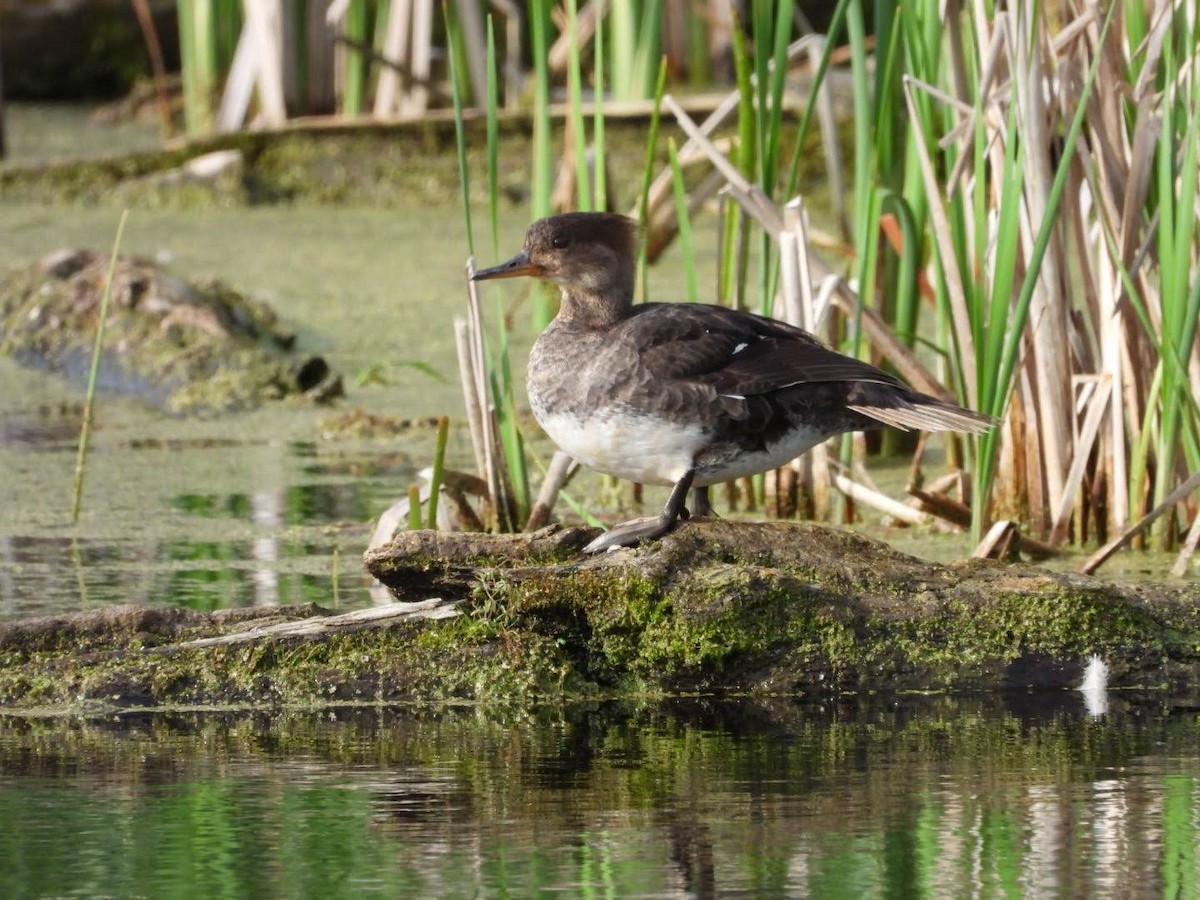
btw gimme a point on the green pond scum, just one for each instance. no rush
(408, 164)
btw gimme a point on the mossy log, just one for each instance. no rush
(716, 606)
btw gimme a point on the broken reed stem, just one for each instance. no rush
(337, 565)
(85, 430)
(414, 508)
(439, 465)
(466, 371)
(559, 472)
(1188, 550)
(1098, 559)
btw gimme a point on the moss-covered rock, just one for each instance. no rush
(792, 608)
(182, 345)
(764, 609)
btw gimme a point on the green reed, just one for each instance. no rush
(89, 406)
(499, 376)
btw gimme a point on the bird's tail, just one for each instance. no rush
(925, 413)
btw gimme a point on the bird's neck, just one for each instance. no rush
(595, 310)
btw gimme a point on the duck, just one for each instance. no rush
(686, 395)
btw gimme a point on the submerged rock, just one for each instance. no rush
(182, 345)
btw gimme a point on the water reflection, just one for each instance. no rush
(932, 797)
(79, 573)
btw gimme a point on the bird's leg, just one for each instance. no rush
(701, 505)
(627, 534)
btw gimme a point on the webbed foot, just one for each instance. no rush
(633, 532)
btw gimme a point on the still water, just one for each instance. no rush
(991, 797)
(953, 797)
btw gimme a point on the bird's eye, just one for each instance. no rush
(559, 241)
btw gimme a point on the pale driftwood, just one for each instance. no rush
(1083, 450)
(960, 514)
(1049, 335)
(1188, 550)
(885, 504)
(257, 61)
(661, 188)
(470, 386)
(395, 48)
(264, 23)
(999, 542)
(416, 100)
(389, 614)
(585, 28)
(754, 201)
(1097, 559)
(490, 442)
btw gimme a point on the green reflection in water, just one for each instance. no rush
(934, 797)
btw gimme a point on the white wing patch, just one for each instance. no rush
(738, 349)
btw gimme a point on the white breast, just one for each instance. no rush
(648, 450)
(634, 447)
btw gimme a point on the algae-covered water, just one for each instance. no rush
(247, 507)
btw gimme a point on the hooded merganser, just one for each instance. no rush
(686, 394)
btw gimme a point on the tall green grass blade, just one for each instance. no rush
(649, 47)
(622, 49)
(583, 186)
(198, 62)
(648, 173)
(685, 222)
(543, 165)
(772, 114)
(543, 171)
(357, 18)
(493, 138)
(985, 470)
(89, 406)
(1177, 188)
(600, 162)
(836, 23)
(460, 136)
(511, 440)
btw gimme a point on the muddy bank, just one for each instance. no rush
(184, 346)
(763, 609)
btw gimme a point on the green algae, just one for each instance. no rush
(393, 165)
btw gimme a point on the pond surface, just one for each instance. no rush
(992, 797)
(255, 507)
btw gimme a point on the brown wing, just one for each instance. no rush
(739, 353)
